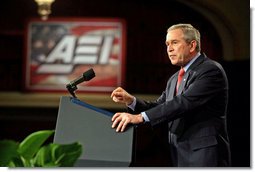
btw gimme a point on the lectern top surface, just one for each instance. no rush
(77, 101)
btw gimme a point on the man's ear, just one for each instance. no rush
(193, 45)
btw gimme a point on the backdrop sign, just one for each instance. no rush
(60, 50)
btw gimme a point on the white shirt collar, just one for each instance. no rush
(186, 67)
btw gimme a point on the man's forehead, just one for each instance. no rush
(174, 34)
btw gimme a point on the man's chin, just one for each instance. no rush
(173, 62)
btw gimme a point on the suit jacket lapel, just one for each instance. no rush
(188, 73)
(173, 86)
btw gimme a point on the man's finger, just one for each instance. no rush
(115, 116)
(114, 91)
(116, 120)
(124, 126)
(119, 126)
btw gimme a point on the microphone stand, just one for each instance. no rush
(71, 89)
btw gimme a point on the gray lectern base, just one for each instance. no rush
(91, 126)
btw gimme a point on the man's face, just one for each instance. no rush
(178, 50)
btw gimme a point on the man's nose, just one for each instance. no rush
(169, 48)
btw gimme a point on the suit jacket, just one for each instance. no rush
(196, 115)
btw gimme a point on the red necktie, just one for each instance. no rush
(180, 75)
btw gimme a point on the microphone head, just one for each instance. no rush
(88, 75)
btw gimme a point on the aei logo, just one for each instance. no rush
(73, 50)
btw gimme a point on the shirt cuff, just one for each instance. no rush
(132, 105)
(145, 117)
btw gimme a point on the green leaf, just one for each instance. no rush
(31, 152)
(26, 162)
(32, 143)
(16, 162)
(56, 155)
(44, 157)
(66, 155)
(8, 151)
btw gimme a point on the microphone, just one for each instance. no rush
(86, 76)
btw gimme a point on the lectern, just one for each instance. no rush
(91, 126)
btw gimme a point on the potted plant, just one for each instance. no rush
(33, 152)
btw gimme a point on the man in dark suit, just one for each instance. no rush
(194, 106)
